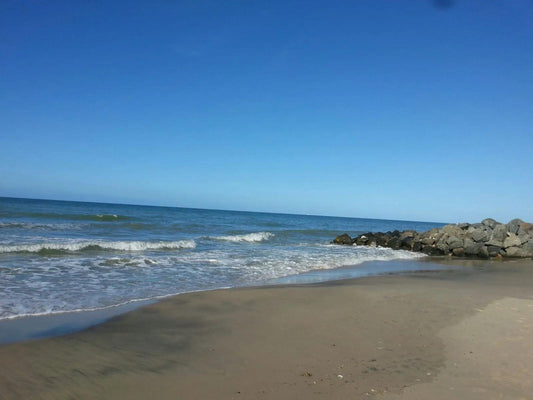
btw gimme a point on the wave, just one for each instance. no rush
(51, 248)
(75, 217)
(248, 237)
(105, 217)
(328, 233)
(31, 225)
(85, 283)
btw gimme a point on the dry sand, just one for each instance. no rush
(464, 334)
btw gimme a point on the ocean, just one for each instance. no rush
(62, 256)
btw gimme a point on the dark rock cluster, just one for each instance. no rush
(486, 239)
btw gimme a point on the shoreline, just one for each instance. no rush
(34, 327)
(391, 336)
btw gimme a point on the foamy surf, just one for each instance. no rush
(113, 281)
(98, 245)
(64, 256)
(248, 237)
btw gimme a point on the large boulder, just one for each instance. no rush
(491, 223)
(443, 246)
(458, 252)
(512, 240)
(454, 242)
(382, 239)
(361, 240)
(480, 235)
(417, 246)
(499, 233)
(343, 239)
(494, 242)
(431, 237)
(514, 225)
(452, 230)
(515, 252)
(526, 229)
(394, 243)
(407, 234)
(483, 252)
(431, 250)
(407, 243)
(493, 250)
(472, 248)
(528, 248)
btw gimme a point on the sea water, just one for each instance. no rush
(61, 256)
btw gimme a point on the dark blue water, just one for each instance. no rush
(58, 256)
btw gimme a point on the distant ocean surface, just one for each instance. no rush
(60, 256)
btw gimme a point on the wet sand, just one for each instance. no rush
(451, 334)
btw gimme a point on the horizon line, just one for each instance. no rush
(216, 209)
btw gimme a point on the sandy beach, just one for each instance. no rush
(464, 333)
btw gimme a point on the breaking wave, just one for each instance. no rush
(98, 245)
(249, 237)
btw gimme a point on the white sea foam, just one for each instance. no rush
(99, 281)
(64, 257)
(99, 245)
(90, 282)
(249, 237)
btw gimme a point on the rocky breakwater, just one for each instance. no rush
(486, 239)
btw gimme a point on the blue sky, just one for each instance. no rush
(374, 108)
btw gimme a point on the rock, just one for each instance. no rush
(480, 235)
(493, 250)
(431, 251)
(417, 246)
(473, 249)
(406, 243)
(343, 239)
(407, 234)
(468, 242)
(362, 239)
(382, 240)
(491, 223)
(526, 228)
(524, 237)
(431, 237)
(528, 248)
(394, 243)
(499, 233)
(494, 242)
(512, 240)
(483, 252)
(443, 248)
(515, 252)
(452, 230)
(458, 252)
(514, 225)
(487, 239)
(454, 242)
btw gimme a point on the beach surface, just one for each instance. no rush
(462, 333)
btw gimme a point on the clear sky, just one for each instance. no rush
(409, 109)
